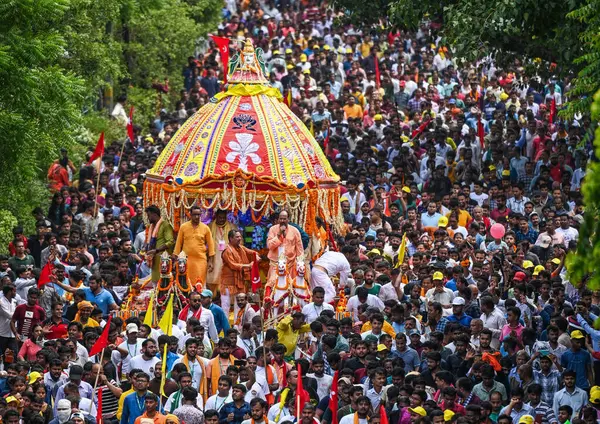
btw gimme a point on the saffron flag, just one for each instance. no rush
(401, 252)
(481, 133)
(302, 396)
(99, 409)
(166, 322)
(223, 46)
(419, 130)
(45, 274)
(130, 133)
(383, 418)
(312, 127)
(166, 325)
(102, 341)
(149, 317)
(377, 74)
(552, 111)
(99, 150)
(255, 275)
(333, 399)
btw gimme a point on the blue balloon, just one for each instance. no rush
(179, 180)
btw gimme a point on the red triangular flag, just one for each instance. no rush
(419, 130)
(102, 341)
(130, 133)
(99, 150)
(302, 396)
(377, 74)
(45, 274)
(481, 133)
(99, 408)
(255, 275)
(223, 46)
(383, 418)
(333, 399)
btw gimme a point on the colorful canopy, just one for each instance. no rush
(245, 149)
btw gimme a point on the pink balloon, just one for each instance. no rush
(497, 231)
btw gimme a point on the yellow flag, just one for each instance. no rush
(312, 127)
(149, 317)
(401, 252)
(163, 378)
(166, 322)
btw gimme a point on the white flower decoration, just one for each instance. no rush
(243, 149)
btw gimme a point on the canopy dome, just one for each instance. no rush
(246, 139)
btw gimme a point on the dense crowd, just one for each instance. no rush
(446, 300)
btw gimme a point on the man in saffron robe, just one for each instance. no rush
(195, 240)
(159, 238)
(217, 366)
(237, 262)
(219, 229)
(283, 239)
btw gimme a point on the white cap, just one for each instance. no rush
(458, 301)
(131, 328)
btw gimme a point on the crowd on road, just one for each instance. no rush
(461, 197)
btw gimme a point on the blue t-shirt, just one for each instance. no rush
(103, 299)
(578, 362)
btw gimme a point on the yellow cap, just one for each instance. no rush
(288, 51)
(419, 410)
(448, 414)
(11, 399)
(577, 334)
(303, 57)
(527, 264)
(406, 189)
(492, 167)
(316, 48)
(438, 275)
(348, 50)
(381, 347)
(503, 96)
(378, 117)
(595, 394)
(34, 376)
(526, 419)
(506, 173)
(326, 47)
(290, 66)
(276, 52)
(443, 222)
(538, 269)
(555, 261)
(306, 71)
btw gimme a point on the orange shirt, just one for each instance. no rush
(355, 111)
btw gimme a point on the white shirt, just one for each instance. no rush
(323, 384)
(349, 419)
(146, 366)
(23, 285)
(255, 391)
(7, 309)
(216, 402)
(195, 370)
(494, 321)
(133, 349)
(312, 311)
(335, 263)
(372, 300)
(445, 298)
(207, 320)
(247, 345)
(274, 410)
(177, 398)
(569, 234)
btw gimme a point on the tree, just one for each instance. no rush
(40, 101)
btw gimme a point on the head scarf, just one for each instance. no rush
(84, 304)
(172, 418)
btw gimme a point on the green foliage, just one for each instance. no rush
(583, 263)
(40, 102)
(7, 223)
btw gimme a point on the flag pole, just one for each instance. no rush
(97, 188)
(163, 379)
(96, 382)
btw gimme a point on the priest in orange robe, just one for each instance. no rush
(235, 274)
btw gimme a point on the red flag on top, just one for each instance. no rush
(130, 127)
(99, 150)
(302, 396)
(102, 341)
(223, 46)
(45, 274)
(333, 399)
(481, 133)
(552, 111)
(255, 276)
(377, 74)
(383, 418)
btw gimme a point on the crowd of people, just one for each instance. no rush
(445, 300)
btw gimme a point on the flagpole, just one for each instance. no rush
(97, 188)
(121, 155)
(96, 382)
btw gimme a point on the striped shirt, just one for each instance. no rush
(545, 411)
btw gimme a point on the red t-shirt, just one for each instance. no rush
(28, 316)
